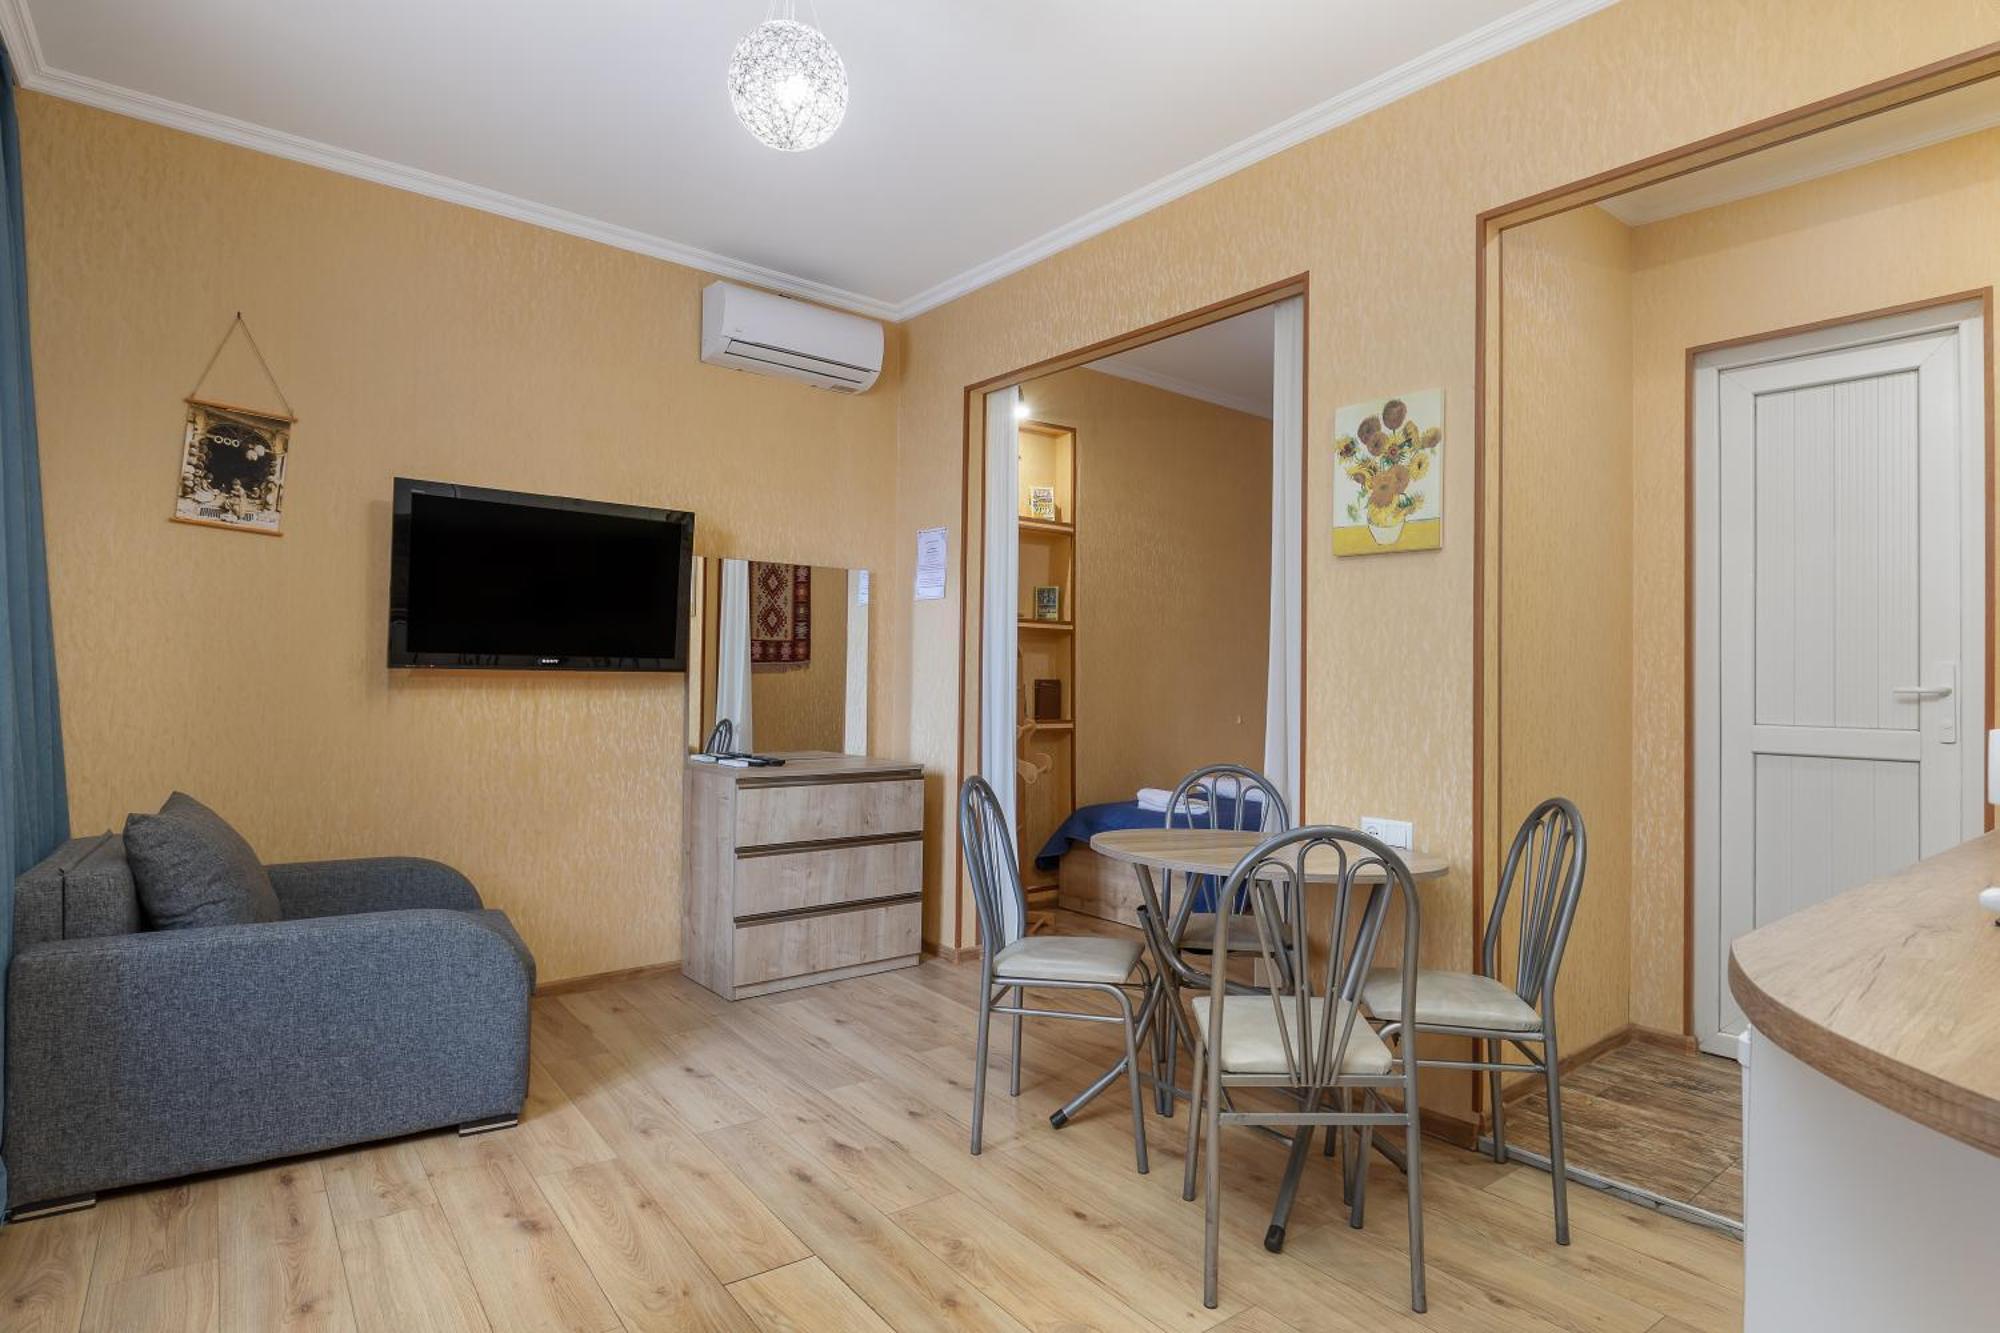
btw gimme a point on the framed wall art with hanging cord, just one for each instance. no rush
(233, 457)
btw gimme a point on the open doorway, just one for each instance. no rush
(1737, 572)
(1146, 634)
(1138, 583)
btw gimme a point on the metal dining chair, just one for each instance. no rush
(1219, 797)
(1307, 1039)
(1199, 803)
(721, 737)
(1014, 961)
(1543, 875)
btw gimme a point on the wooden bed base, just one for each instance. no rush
(1094, 886)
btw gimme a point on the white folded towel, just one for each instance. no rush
(1156, 798)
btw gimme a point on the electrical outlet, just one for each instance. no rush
(1399, 833)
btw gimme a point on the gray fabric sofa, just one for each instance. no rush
(387, 1000)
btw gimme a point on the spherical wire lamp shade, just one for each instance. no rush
(788, 85)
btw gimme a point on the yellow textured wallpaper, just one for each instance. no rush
(1380, 213)
(1910, 228)
(1174, 554)
(414, 338)
(1565, 479)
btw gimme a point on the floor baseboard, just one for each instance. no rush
(1673, 1041)
(1519, 1087)
(595, 980)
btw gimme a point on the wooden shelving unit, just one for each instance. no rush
(1047, 648)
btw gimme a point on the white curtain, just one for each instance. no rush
(1288, 454)
(732, 652)
(1001, 608)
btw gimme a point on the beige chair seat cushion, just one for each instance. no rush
(1451, 999)
(1251, 1044)
(1199, 933)
(1067, 958)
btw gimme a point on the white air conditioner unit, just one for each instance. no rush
(775, 335)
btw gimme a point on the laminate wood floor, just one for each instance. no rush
(799, 1162)
(1667, 1121)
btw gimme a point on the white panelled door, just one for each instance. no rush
(1847, 612)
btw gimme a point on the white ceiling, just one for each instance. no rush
(1901, 129)
(981, 135)
(1228, 362)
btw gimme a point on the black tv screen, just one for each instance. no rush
(483, 578)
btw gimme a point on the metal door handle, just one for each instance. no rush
(1922, 691)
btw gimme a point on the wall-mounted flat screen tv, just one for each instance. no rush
(498, 579)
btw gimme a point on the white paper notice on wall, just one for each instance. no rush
(861, 589)
(930, 564)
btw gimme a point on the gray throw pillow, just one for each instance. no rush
(192, 869)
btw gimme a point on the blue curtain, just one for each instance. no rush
(34, 800)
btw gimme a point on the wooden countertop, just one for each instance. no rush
(1892, 989)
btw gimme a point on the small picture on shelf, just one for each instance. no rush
(1048, 602)
(1048, 700)
(1042, 503)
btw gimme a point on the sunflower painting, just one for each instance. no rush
(1388, 489)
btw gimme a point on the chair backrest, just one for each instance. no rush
(988, 846)
(1219, 797)
(1544, 873)
(1368, 875)
(721, 737)
(1228, 796)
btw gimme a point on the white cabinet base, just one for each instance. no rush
(1857, 1218)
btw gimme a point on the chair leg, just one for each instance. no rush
(1413, 1156)
(1014, 1074)
(1358, 1199)
(1138, 1083)
(1349, 1136)
(1558, 1174)
(1288, 1188)
(1172, 1037)
(1194, 1124)
(979, 1064)
(1496, 1051)
(1212, 1207)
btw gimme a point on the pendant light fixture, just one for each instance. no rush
(786, 82)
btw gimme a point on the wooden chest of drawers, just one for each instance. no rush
(802, 874)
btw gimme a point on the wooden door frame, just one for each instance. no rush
(1981, 301)
(973, 464)
(1915, 85)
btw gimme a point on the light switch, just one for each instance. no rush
(1398, 833)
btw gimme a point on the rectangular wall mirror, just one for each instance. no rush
(780, 651)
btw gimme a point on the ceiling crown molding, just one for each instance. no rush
(1505, 33)
(17, 30)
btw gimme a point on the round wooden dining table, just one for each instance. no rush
(1216, 852)
(1196, 851)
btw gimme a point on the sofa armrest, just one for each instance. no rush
(369, 884)
(141, 1057)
